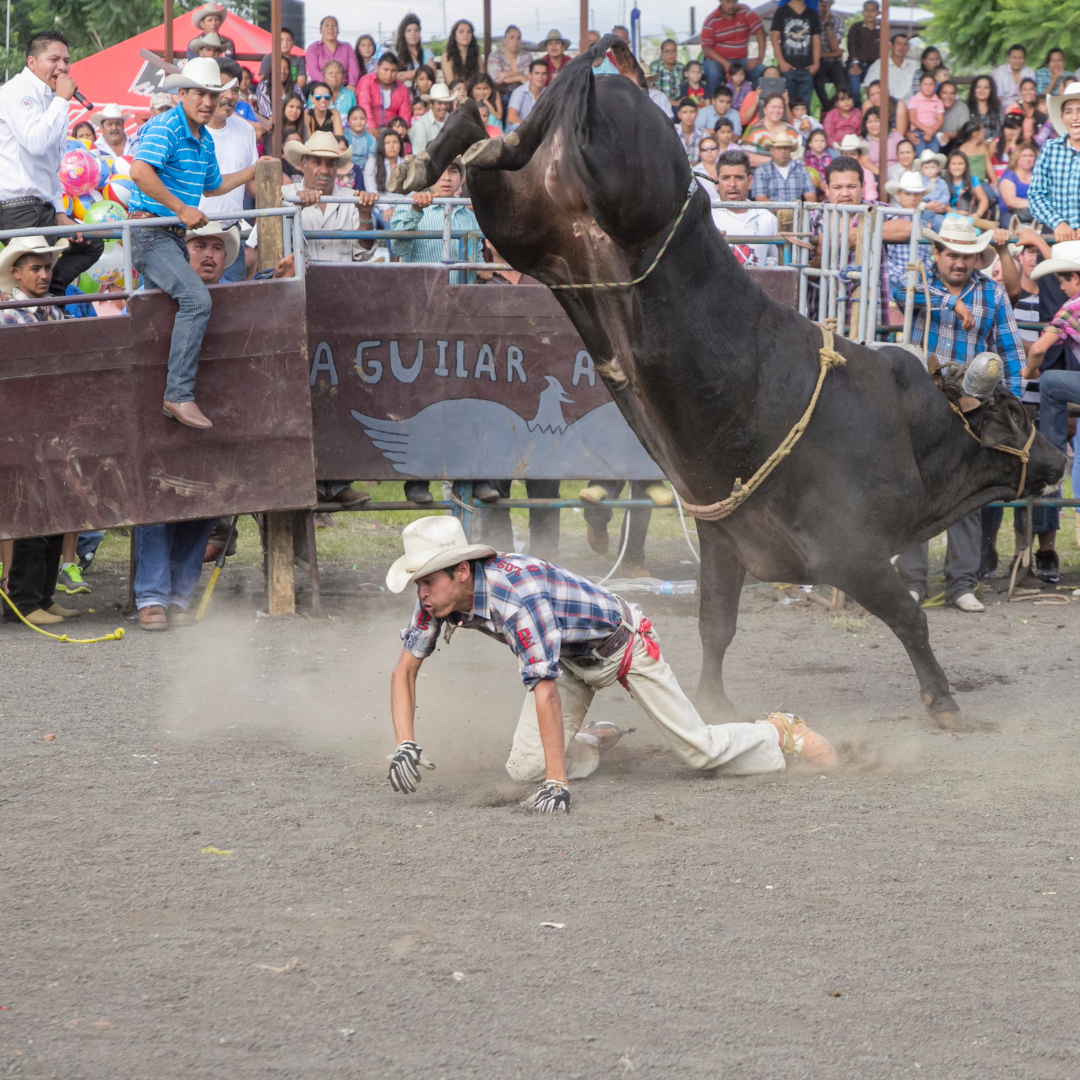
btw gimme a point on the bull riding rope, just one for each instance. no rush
(116, 635)
(828, 358)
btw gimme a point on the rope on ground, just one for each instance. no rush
(828, 358)
(116, 635)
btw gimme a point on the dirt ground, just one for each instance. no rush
(205, 874)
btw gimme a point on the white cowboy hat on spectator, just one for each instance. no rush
(161, 101)
(914, 183)
(783, 139)
(852, 144)
(109, 112)
(202, 73)
(213, 40)
(1056, 102)
(1064, 259)
(25, 245)
(432, 543)
(200, 13)
(322, 144)
(229, 237)
(554, 35)
(439, 92)
(959, 235)
(929, 155)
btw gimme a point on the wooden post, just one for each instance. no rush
(169, 31)
(280, 592)
(487, 33)
(885, 48)
(275, 79)
(268, 193)
(584, 26)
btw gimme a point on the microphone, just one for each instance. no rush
(82, 100)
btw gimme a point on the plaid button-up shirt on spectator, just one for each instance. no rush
(668, 80)
(1054, 194)
(18, 316)
(995, 327)
(540, 610)
(769, 181)
(692, 142)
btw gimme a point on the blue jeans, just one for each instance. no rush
(168, 560)
(715, 76)
(800, 84)
(1056, 390)
(921, 144)
(856, 80)
(161, 256)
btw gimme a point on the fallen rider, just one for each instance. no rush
(571, 638)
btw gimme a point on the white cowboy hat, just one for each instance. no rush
(432, 543)
(1055, 103)
(213, 40)
(24, 245)
(929, 155)
(200, 13)
(958, 234)
(439, 92)
(322, 144)
(852, 144)
(229, 237)
(1064, 259)
(914, 183)
(202, 73)
(109, 112)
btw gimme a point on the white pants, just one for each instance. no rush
(740, 749)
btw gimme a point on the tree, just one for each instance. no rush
(92, 25)
(979, 32)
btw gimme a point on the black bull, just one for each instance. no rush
(712, 375)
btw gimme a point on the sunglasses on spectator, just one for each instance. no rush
(710, 146)
(321, 97)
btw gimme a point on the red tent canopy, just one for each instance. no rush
(107, 76)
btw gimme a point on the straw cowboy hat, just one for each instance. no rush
(1056, 102)
(322, 144)
(213, 40)
(914, 183)
(439, 92)
(958, 234)
(202, 73)
(25, 245)
(230, 237)
(852, 144)
(555, 35)
(432, 543)
(1064, 259)
(929, 155)
(783, 139)
(200, 13)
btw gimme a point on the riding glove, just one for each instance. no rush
(403, 761)
(552, 796)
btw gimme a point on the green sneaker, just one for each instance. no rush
(70, 580)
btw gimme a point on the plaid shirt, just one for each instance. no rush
(18, 316)
(692, 143)
(668, 80)
(1054, 194)
(995, 325)
(540, 610)
(769, 181)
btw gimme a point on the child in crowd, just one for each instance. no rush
(725, 135)
(423, 81)
(459, 91)
(818, 156)
(937, 195)
(925, 114)
(694, 86)
(359, 138)
(1065, 325)
(801, 120)
(485, 114)
(721, 106)
(738, 84)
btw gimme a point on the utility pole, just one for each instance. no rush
(885, 48)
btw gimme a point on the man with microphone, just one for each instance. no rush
(33, 135)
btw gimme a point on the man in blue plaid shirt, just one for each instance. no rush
(969, 314)
(571, 638)
(1054, 194)
(783, 180)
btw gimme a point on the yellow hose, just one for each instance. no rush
(116, 635)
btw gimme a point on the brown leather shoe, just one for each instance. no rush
(187, 412)
(41, 617)
(179, 616)
(64, 612)
(153, 618)
(348, 497)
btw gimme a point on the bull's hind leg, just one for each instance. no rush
(721, 583)
(883, 594)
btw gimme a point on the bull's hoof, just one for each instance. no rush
(395, 182)
(486, 153)
(416, 174)
(945, 712)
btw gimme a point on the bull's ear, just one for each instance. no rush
(969, 404)
(933, 364)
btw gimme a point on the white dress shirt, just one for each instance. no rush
(423, 132)
(748, 223)
(33, 137)
(325, 217)
(126, 151)
(900, 78)
(1008, 88)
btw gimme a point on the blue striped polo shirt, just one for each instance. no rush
(186, 165)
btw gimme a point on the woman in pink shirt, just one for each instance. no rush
(925, 114)
(322, 52)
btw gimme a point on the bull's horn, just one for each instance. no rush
(486, 153)
(982, 374)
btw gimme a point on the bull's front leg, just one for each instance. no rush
(721, 584)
